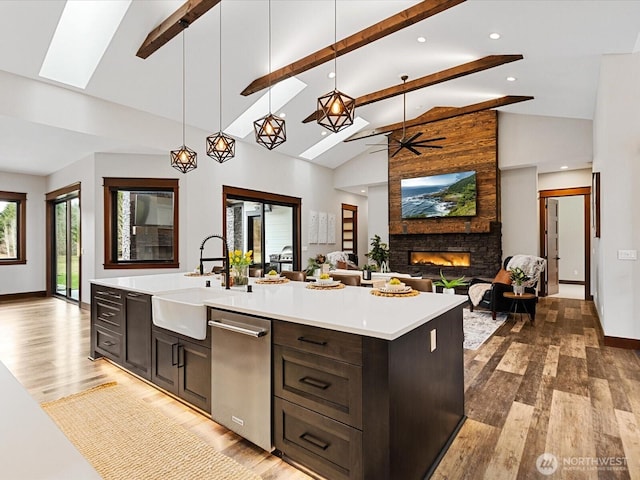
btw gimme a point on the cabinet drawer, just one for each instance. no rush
(324, 385)
(106, 293)
(109, 343)
(328, 447)
(109, 315)
(328, 343)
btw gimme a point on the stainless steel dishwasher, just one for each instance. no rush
(241, 375)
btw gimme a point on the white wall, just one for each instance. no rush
(378, 213)
(519, 208)
(531, 140)
(565, 179)
(617, 158)
(571, 238)
(29, 277)
(365, 169)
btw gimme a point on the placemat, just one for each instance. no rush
(262, 281)
(313, 286)
(378, 293)
(194, 274)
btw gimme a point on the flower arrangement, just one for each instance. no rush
(315, 263)
(239, 263)
(518, 276)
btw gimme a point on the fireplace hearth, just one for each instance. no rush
(455, 254)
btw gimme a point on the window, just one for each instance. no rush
(141, 223)
(13, 213)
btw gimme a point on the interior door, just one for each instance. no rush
(552, 246)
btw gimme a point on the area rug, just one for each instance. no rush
(479, 326)
(124, 438)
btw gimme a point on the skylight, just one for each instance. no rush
(281, 93)
(332, 140)
(83, 34)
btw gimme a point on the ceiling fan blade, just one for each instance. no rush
(380, 150)
(430, 146)
(410, 147)
(396, 152)
(433, 139)
(414, 137)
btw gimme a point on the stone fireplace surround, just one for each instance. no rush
(485, 250)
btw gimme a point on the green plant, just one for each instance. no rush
(456, 282)
(315, 263)
(370, 267)
(518, 276)
(379, 251)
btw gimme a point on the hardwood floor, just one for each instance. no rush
(548, 388)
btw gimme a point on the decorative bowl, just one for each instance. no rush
(324, 281)
(394, 287)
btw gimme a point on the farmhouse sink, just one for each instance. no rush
(184, 312)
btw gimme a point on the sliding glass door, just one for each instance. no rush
(66, 247)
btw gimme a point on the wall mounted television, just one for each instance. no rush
(446, 195)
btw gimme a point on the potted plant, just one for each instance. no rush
(518, 277)
(315, 263)
(379, 253)
(366, 271)
(239, 263)
(449, 286)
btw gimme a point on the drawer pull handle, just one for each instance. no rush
(109, 343)
(315, 383)
(322, 343)
(107, 314)
(109, 294)
(134, 294)
(315, 441)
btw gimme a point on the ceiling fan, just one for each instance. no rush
(412, 144)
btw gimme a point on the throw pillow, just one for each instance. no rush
(503, 277)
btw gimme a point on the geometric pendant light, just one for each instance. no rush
(336, 109)
(184, 159)
(270, 130)
(220, 147)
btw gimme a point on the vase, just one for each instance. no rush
(449, 291)
(240, 274)
(384, 267)
(518, 289)
(366, 274)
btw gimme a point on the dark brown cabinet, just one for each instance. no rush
(182, 366)
(357, 407)
(121, 328)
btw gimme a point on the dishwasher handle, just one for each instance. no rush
(240, 328)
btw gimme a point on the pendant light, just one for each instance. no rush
(220, 147)
(336, 109)
(184, 159)
(270, 130)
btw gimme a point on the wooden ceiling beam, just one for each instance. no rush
(188, 13)
(458, 71)
(414, 14)
(441, 113)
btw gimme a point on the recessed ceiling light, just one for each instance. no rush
(363, 191)
(84, 32)
(494, 36)
(332, 140)
(331, 74)
(511, 79)
(323, 133)
(564, 167)
(281, 93)
(422, 39)
(282, 114)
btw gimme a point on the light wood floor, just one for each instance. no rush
(552, 388)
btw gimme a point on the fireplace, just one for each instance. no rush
(457, 254)
(441, 259)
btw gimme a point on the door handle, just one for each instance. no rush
(180, 356)
(239, 328)
(174, 354)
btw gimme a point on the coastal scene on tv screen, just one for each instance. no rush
(448, 195)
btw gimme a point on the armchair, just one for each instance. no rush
(490, 295)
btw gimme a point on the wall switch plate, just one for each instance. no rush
(433, 339)
(627, 254)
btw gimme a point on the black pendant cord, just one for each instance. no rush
(269, 43)
(220, 73)
(335, 49)
(404, 105)
(183, 90)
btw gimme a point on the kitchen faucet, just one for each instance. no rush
(225, 259)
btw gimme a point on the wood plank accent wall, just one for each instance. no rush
(471, 144)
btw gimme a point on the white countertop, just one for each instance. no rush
(31, 444)
(351, 309)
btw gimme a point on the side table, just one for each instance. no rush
(521, 300)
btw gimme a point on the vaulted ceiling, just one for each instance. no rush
(561, 42)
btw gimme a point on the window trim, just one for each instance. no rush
(112, 184)
(21, 198)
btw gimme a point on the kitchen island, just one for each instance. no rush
(363, 386)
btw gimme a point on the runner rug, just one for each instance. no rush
(124, 438)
